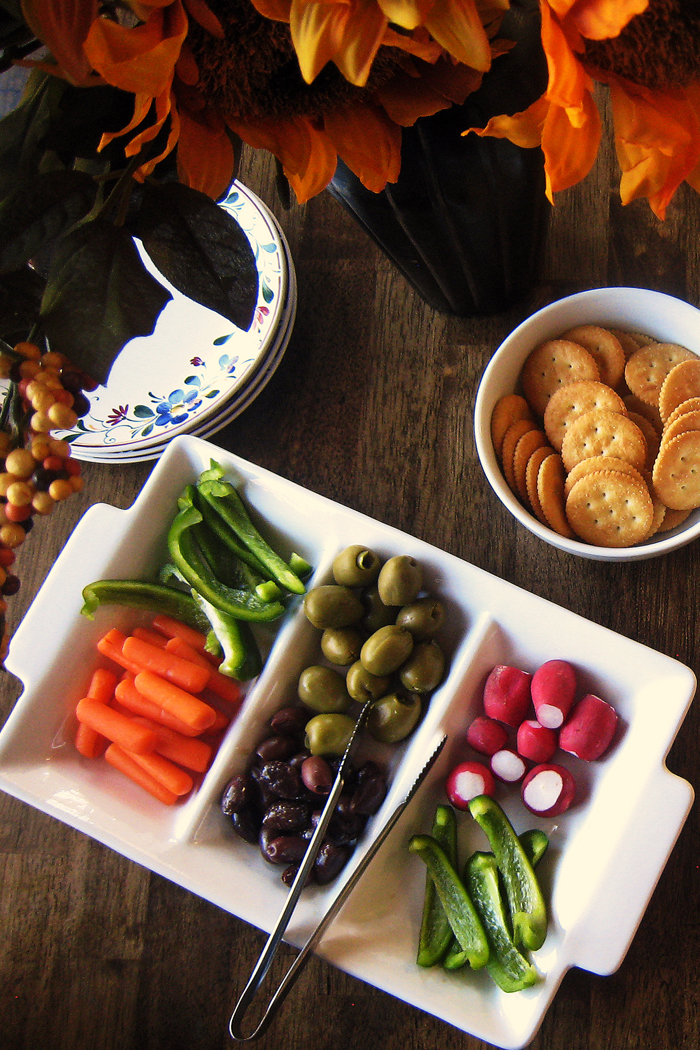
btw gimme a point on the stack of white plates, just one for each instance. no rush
(197, 371)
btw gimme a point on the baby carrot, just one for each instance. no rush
(174, 629)
(187, 751)
(125, 763)
(88, 741)
(182, 673)
(102, 685)
(129, 697)
(152, 637)
(166, 773)
(110, 645)
(226, 688)
(115, 726)
(189, 709)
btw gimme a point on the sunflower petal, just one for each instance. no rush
(368, 142)
(405, 98)
(569, 148)
(277, 10)
(316, 31)
(456, 26)
(305, 153)
(409, 14)
(205, 157)
(523, 129)
(601, 19)
(568, 81)
(141, 58)
(362, 33)
(63, 25)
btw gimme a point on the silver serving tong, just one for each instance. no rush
(268, 952)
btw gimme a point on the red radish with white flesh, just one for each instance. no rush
(486, 735)
(553, 690)
(548, 789)
(589, 730)
(507, 695)
(466, 781)
(535, 742)
(508, 765)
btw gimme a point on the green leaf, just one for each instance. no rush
(98, 297)
(20, 300)
(40, 209)
(22, 132)
(200, 249)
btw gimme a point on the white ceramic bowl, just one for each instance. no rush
(634, 309)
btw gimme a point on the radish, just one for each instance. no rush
(507, 695)
(553, 691)
(535, 741)
(466, 781)
(589, 730)
(548, 789)
(508, 765)
(486, 735)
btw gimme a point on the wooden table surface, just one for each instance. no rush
(372, 407)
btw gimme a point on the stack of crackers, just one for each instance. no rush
(603, 442)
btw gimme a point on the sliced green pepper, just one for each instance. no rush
(436, 932)
(527, 906)
(139, 594)
(459, 909)
(242, 659)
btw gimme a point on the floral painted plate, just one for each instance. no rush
(195, 361)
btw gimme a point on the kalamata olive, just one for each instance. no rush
(246, 825)
(286, 815)
(281, 780)
(400, 580)
(323, 689)
(424, 669)
(290, 721)
(297, 761)
(345, 827)
(329, 862)
(356, 566)
(290, 873)
(363, 686)
(394, 717)
(341, 645)
(235, 795)
(328, 734)
(317, 775)
(369, 793)
(376, 614)
(276, 747)
(423, 618)
(330, 605)
(282, 849)
(386, 649)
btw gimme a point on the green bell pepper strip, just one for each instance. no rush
(435, 932)
(225, 500)
(242, 659)
(229, 568)
(506, 965)
(527, 906)
(219, 527)
(236, 602)
(140, 594)
(459, 909)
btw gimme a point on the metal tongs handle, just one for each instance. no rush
(275, 937)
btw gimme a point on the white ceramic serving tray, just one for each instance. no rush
(606, 854)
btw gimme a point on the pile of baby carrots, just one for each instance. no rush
(159, 716)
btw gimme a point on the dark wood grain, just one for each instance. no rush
(371, 406)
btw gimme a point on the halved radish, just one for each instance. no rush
(553, 690)
(467, 780)
(535, 742)
(508, 765)
(589, 730)
(548, 789)
(486, 735)
(507, 695)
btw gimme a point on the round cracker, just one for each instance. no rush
(610, 509)
(550, 492)
(681, 383)
(685, 421)
(672, 519)
(603, 433)
(531, 472)
(528, 443)
(676, 474)
(605, 349)
(647, 369)
(574, 400)
(594, 463)
(627, 341)
(651, 437)
(550, 366)
(507, 410)
(650, 412)
(691, 404)
(512, 436)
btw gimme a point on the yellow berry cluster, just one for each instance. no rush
(36, 469)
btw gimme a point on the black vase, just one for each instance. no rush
(466, 220)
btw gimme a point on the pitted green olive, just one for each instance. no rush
(386, 649)
(323, 689)
(356, 566)
(424, 669)
(330, 605)
(328, 734)
(400, 580)
(363, 686)
(424, 617)
(375, 613)
(341, 645)
(394, 717)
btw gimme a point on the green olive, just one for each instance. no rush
(363, 686)
(341, 645)
(424, 617)
(375, 613)
(330, 605)
(356, 566)
(328, 734)
(323, 689)
(394, 717)
(386, 649)
(424, 669)
(400, 580)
